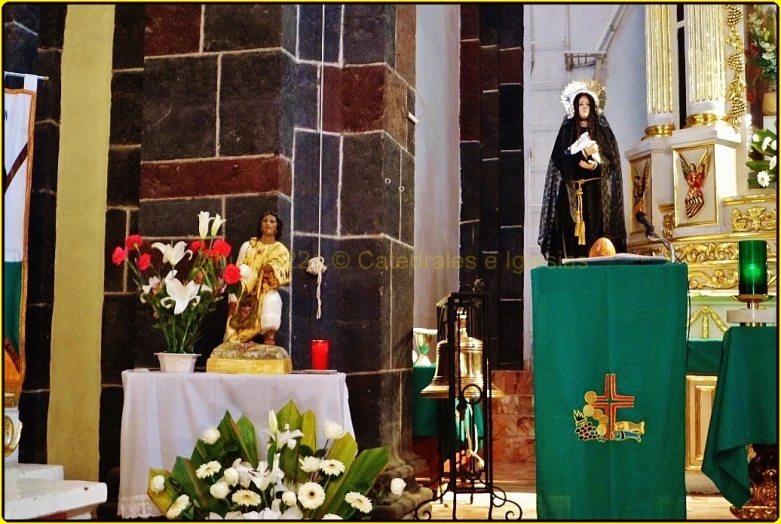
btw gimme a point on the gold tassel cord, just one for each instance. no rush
(580, 224)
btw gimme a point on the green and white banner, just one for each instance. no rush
(19, 125)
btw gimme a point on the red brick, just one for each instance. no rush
(332, 99)
(215, 176)
(470, 21)
(470, 90)
(511, 66)
(363, 98)
(405, 41)
(172, 29)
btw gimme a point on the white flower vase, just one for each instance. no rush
(177, 362)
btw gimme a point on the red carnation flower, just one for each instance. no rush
(133, 241)
(144, 261)
(119, 255)
(222, 247)
(196, 245)
(232, 274)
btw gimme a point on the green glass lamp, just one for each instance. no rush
(752, 271)
(752, 285)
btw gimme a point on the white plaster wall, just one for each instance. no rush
(550, 30)
(437, 160)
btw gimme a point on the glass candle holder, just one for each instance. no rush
(752, 267)
(319, 354)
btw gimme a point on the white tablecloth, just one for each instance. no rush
(164, 414)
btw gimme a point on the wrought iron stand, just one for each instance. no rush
(463, 322)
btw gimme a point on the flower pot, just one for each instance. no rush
(177, 362)
(770, 103)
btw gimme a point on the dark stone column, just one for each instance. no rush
(32, 43)
(216, 135)
(118, 330)
(367, 203)
(492, 169)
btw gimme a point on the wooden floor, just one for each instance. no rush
(518, 482)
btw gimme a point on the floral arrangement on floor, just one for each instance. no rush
(181, 299)
(224, 479)
(765, 141)
(762, 52)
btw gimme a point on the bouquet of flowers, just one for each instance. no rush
(762, 49)
(224, 479)
(765, 141)
(181, 299)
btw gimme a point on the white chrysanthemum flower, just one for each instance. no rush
(331, 516)
(157, 484)
(230, 476)
(331, 467)
(359, 502)
(397, 486)
(211, 435)
(311, 495)
(179, 505)
(245, 497)
(333, 430)
(310, 464)
(208, 469)
(763, 179)
(219, 490)
(289, 498)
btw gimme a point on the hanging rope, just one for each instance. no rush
(316, 265)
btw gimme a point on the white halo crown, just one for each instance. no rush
(592, 87)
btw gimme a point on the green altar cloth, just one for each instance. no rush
(609, 386)
(425, 411)
(745, 410)
(703, 357)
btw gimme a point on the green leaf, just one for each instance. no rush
(758, 165)
(344, 450)
(239, 437)
(248, 438)
(359, 477)
(291, 417)
(197, 489)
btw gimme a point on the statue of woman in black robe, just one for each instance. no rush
(583, 196)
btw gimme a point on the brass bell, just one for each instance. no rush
(470, 368)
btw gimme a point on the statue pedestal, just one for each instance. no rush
(249, 358)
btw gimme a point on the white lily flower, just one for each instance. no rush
(217, 224)
(265, 514)
(289, 498)
(766, 142)
(272, 421)
(154, 283)
(243, 469)
(292, 513)
(773, 162)
(203, 223)
(172, 254)
(755, 137)
(287, 437)
(180, 294)
(774, 145)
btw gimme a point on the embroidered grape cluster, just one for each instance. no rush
(587, 431)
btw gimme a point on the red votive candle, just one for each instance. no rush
(319, 354)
